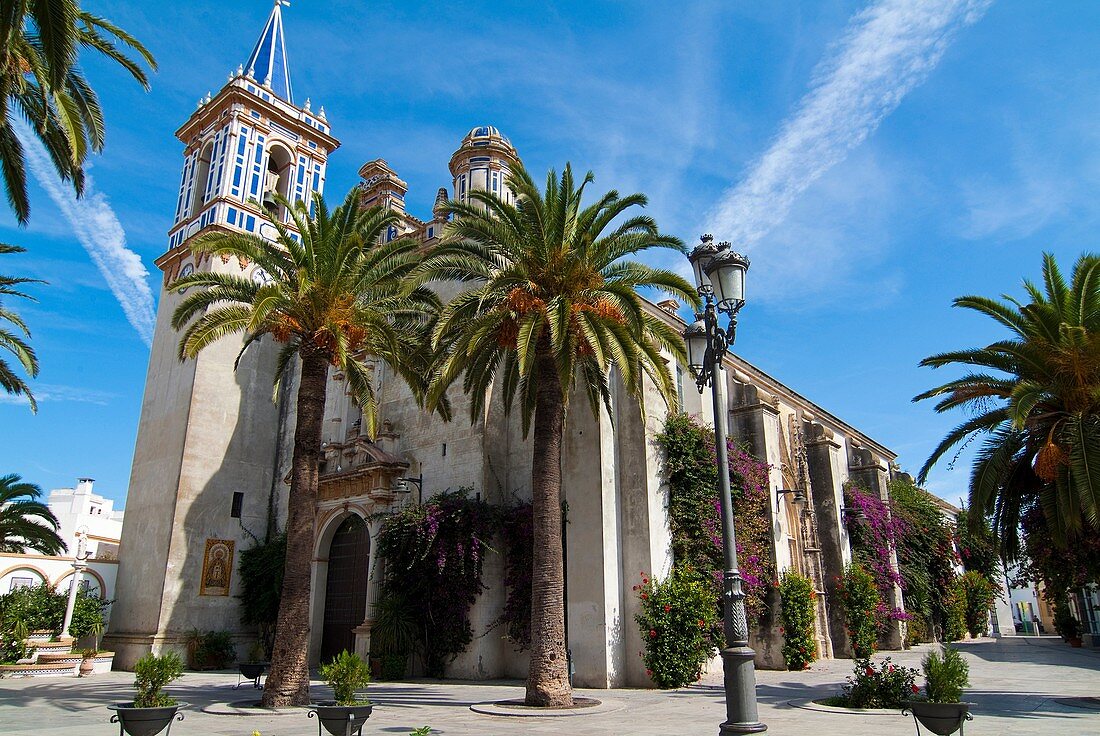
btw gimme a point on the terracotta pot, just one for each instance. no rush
(87, 666)
(1075, 641)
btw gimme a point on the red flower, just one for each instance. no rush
(667, 608)
(645, 596)
(891, 668)
(916, 689)
(702, 623)
(870, 672)
(652, 633)
(649, 673)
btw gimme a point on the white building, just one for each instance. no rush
(79, 510)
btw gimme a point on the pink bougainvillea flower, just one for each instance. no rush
(667, 608)
(652, 633)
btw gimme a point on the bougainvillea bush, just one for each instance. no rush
(676, 620)
(888, 685)
(797, 605)
(874, 531)
(926, 558)
(434, 557)
(863, 609)
(517, 532)
(695, 517)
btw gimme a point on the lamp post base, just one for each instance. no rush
(740, 686)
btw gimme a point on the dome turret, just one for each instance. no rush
(483, 161)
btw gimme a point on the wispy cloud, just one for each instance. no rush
(888, 49)
(45, 392)
(97, 228)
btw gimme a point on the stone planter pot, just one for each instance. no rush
(145, 721)
(252, 671)
(341, 720)
(942, 719)
(1075, 641)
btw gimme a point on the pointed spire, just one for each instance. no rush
(268, 61)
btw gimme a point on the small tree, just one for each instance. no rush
(346, 674)
(862, 605)
(676, 618)
(153, 673)
(979, 595)
(797, 610)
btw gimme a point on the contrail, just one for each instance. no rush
(97, 228)
(887, 49)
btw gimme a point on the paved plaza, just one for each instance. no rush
(1019, 686)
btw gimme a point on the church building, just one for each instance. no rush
(211, 462)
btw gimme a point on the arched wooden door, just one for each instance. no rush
(346, 589)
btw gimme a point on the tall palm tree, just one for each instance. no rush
(1035, 398)
(337, 297)
(40, 82)
(550, 306)
(25, 522)
(14, 339)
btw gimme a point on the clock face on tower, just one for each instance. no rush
(261, 276)
(187, 270)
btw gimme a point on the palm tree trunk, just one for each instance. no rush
(548, 676)
(288, 683)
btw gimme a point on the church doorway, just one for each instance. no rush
(346, 587)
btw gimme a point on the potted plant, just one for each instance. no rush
(256, 665)
(210, 650)
(345, 674)
(152, 709)
(941, 710)
(87, 661)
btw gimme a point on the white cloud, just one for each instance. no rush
(888, 49)
(44, 392)
(97, 228)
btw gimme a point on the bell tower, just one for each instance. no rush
(205, 481)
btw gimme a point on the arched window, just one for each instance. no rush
(202, 174)
(280, 173)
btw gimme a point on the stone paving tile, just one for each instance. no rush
(1017, 684)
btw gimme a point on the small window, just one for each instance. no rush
(21, 583)
(444, 449)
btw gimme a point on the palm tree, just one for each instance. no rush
(550, 305)
(1035, 398)
(337, 297)
(25, 522)
(14, 340)
(41, 83)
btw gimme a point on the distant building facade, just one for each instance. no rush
(79, 511)
(211, 440)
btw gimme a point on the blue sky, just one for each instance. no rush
(872, 167)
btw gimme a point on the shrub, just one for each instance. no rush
(153, 673)
(979, 594)
(517, 530)
(797, 611)
(916, 632)
(210, 650)
(862, 606)
(42, 608)
(955, 625)
(677, 616)
(945, 676)
(261, 570)
(1065, 623)
(13, 633)
(345, 674)
(887, 686)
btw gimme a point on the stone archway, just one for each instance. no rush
(345, 602)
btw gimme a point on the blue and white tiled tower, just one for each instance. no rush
(208, 432)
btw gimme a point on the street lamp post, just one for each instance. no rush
(720, 277)
(80, 563)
